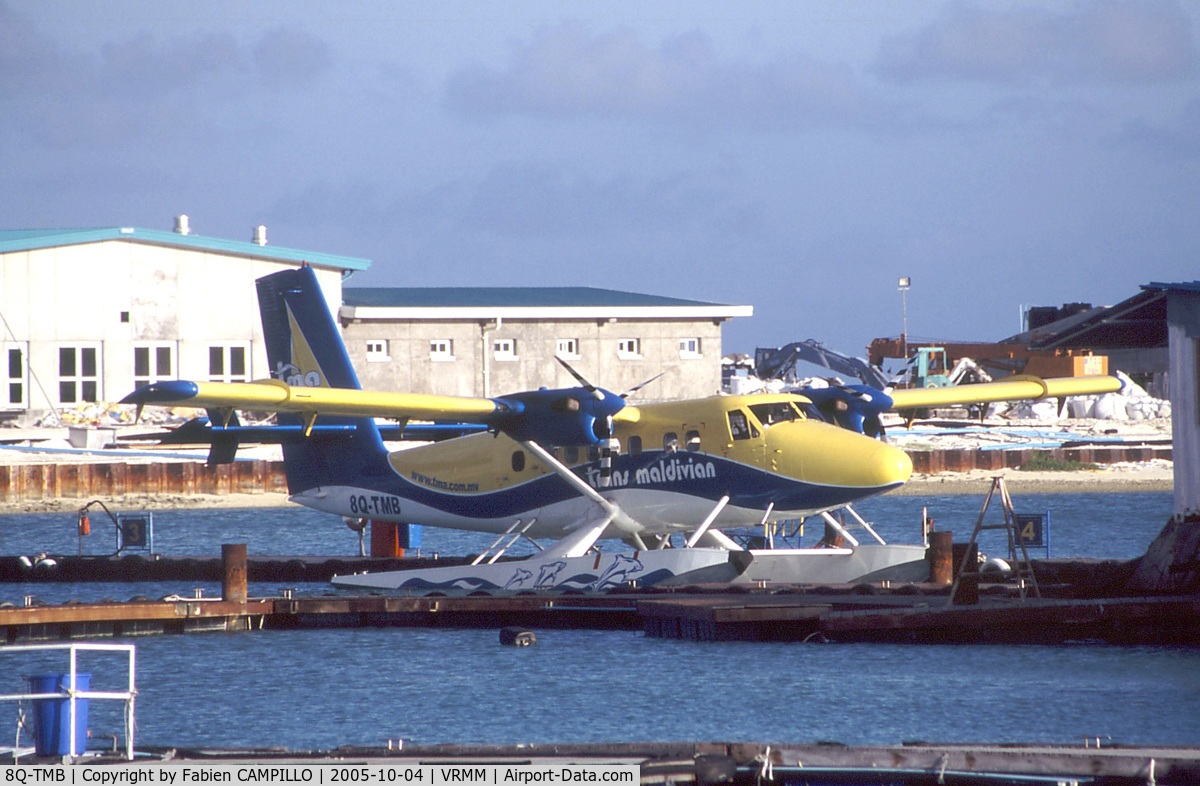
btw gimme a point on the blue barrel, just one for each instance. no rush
(52, 717)
(410, 536)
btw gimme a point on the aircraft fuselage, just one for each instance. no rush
(674, 463)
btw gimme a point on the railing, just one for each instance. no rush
(74, 695)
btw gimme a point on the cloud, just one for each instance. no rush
(1106, 40)
(129, 89)
(146, 66)
(565, 71)
(1177, 137)
(286, 55)
(531, 201)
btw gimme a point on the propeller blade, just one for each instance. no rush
(588, 386)
(636, 388)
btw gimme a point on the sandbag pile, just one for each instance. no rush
(1132, 403)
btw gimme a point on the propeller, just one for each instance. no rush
(588, 386)
(638, 387)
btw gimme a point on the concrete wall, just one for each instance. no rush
(190, 299)
(410, 368)
(1183, 327)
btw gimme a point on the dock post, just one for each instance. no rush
(941, 557)
(233, 572)
(966, 571)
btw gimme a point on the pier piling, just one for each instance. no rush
(941, 557)
(233, 572)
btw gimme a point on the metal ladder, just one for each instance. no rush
(1021, 564)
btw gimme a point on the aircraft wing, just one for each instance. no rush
(1009, 389)
(276, 396)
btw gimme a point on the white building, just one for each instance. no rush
(89, 314)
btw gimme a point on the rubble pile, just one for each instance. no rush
(107, 414)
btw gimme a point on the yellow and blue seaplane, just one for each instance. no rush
(575, 465)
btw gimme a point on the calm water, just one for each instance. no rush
(320, 689)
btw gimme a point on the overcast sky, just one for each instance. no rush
(794, 156)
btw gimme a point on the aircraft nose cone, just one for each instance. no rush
(886, 466)
(825, 454)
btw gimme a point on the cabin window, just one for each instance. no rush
(572, 455)
(691, 440)
(518, 460)
(153, 362)
(377, 350)
(689, 348)
(740, 426)
(505, 349)
(670, 442)
(635, 446)
(770, 414)
(441, 349)
(629, 348)
(228, 363)
(593, 453)
(79, 373)
(567, 348)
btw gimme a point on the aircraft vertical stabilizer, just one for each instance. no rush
(305, 349)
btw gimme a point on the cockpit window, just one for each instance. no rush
(811, 412)
(770, 414)
(740, 426)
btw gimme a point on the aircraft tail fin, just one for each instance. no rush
(305, 349)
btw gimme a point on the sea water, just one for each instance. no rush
(325, 688)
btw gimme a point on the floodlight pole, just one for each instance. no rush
(904, 283)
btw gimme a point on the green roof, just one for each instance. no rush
(30, 239)
(505, 297)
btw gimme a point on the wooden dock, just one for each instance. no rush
(138, 567)
(910, 614)
(731, 763)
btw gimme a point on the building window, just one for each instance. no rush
(377, 350)
(228, 363)
(629, 348)
(568, 348)
(153, 362)
(505, 348)
(79, 373)
(441, 349)
(16, 372)
(689, 348)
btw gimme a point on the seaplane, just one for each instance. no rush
(575, 465)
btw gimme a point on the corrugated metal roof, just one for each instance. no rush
(31, 239)
(1183, 286)
(1136, 322)
(507, 297)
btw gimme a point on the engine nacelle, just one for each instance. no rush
(853, 407)
(558, 418)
